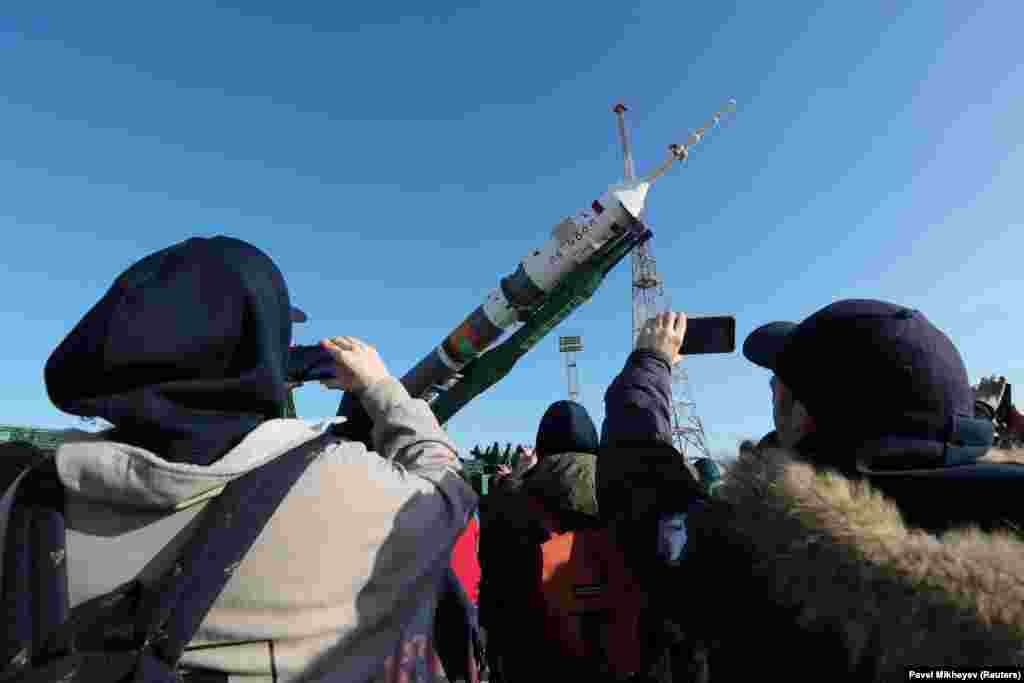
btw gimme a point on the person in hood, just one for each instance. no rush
(555, 494)
(565, 427)
(875, 527)
(556, 476)
(186, 356)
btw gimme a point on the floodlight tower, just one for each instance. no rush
(568, 346)
(649, 299)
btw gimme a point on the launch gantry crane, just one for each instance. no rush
(648, 299)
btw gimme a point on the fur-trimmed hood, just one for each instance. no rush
(835, 560)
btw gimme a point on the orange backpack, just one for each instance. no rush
(592, 603)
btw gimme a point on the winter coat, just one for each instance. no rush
(799, 571)
(342, 583)
(466, 559)
(829, 565)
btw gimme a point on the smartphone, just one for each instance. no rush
(309, 364)
(713, 334)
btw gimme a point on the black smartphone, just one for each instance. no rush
(309, 363)
(713, 334)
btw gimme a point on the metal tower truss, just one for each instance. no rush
(687, 428)
(648, 292)
(649, 299)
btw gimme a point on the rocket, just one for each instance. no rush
(549, 283)
(613, 216)
(573, 241)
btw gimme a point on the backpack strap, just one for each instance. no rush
(34, 569)
(145, 628)
(457, 632)
(173, 609)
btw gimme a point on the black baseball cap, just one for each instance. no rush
(881, 378)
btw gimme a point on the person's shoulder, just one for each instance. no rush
(346, 474)
(811, 524)
(566, 459)
(566, 481)
(561, 468)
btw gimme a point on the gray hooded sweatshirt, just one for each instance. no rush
(342, 583)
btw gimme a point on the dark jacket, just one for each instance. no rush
(823, 575)
(640, 474)
(638, 404)
(641, 477)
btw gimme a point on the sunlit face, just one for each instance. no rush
(791, 419)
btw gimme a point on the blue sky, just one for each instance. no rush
(397, 163)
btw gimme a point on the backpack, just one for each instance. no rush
(564, 608)
(592, 603)
(136, 632)
(556, 606)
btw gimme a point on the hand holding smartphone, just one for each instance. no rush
(712, 334)
(675, 335)
(310, 363)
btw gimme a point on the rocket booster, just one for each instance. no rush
(573, 241)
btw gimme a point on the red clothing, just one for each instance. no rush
(466, 561)
(1015, 421)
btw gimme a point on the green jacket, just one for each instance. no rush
(566, 483)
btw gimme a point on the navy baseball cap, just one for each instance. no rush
(881, 378)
